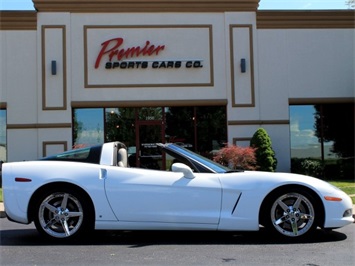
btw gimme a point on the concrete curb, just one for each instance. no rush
(2, 210)
(3, 214)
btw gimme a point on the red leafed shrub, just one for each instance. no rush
(79, 146)
(236, 157)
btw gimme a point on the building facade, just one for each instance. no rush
(202, 73)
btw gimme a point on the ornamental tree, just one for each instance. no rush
(265, 155)
(236, 157)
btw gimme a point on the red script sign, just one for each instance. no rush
(120, 53)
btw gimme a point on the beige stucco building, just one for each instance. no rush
(72, 54)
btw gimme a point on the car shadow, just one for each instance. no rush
(136, 239)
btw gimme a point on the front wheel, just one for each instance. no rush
(291, 214)
(63, 214)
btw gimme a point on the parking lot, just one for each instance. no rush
(21, 245)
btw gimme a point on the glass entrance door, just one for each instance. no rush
(149, 155)
(149, 131)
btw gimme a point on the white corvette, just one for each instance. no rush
(93, 188)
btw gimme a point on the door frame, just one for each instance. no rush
(138, 142)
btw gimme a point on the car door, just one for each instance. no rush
(140, 195)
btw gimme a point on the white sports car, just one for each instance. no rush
(93, 188)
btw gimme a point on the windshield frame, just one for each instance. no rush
(212, 166)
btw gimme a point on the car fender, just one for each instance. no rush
(244, 193)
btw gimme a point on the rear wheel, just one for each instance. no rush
(291, 214)
(63, 214)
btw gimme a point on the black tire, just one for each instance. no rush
(63, 214)
(290, 214)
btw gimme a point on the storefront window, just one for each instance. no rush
(3, 135)
(211, 126)
(88, 126)
(322, 140)
(201, 129)
(120, 125)
(180, 126)
(150, 113)
(304, 143)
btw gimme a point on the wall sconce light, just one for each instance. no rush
(243, 65)
(54, 67)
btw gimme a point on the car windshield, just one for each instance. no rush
(216, 167)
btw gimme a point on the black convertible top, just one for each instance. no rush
(85, 155)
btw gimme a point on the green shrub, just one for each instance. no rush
(265, 155)
(307, 166)
(347, 167)
(331, 169)
(312, 168)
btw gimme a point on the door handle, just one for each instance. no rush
(103, 173)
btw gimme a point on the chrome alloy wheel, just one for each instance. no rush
(60, 215)
(292, 214)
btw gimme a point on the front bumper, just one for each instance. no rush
(339, 213)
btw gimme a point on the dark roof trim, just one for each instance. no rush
(125, 6)
(18, 20)
(305, 19)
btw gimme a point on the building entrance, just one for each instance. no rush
(148, 154)
(202, 129)
(150, 130)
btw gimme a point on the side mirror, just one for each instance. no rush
(180, 167)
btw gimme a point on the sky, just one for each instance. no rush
(263, 4)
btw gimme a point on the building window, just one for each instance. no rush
(211, 129)
(120, 125)
(3, 153)
(322, 140)
(202, 129)
(88, 126)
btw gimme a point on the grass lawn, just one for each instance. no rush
(347, 186)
